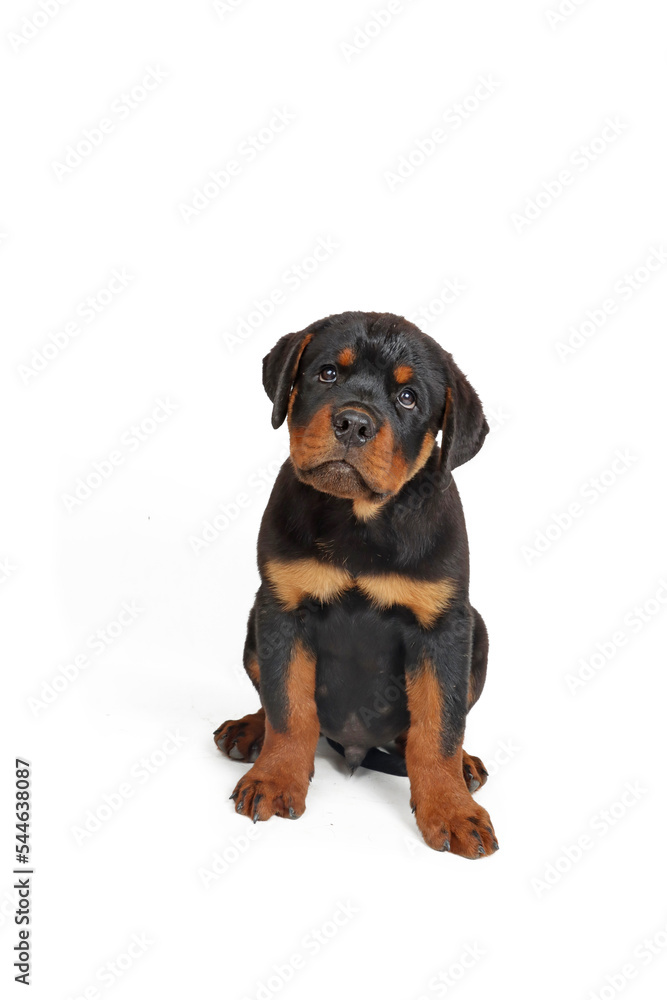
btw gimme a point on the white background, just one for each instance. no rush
(529, 919)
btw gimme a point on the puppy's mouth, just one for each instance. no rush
(338, 478)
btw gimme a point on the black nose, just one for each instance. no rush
(354, 427)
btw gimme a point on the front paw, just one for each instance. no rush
(260, 795)
(460, 826)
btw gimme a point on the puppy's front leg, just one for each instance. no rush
(276, 785)
(437, 690)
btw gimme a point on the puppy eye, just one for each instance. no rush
(407, 398)
(328, 374)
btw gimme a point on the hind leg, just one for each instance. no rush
(242, 739)
(479, 659)
(474, 772)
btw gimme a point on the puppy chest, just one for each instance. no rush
(295, 581)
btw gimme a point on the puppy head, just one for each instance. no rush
(365, 395)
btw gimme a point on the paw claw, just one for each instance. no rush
(452, 821)
(261, 794)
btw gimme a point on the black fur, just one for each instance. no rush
(364, 653)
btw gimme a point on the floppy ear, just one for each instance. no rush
(279, 371)
(464, 425)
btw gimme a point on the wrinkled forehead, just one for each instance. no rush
(354, 348)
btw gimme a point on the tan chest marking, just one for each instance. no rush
(366, 510)
(301, 578)
(425, 598)
(293, 581)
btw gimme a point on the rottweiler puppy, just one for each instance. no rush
(362, 629)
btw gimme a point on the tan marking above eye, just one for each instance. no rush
(347, 357)
(301, 578)
(403, 374)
